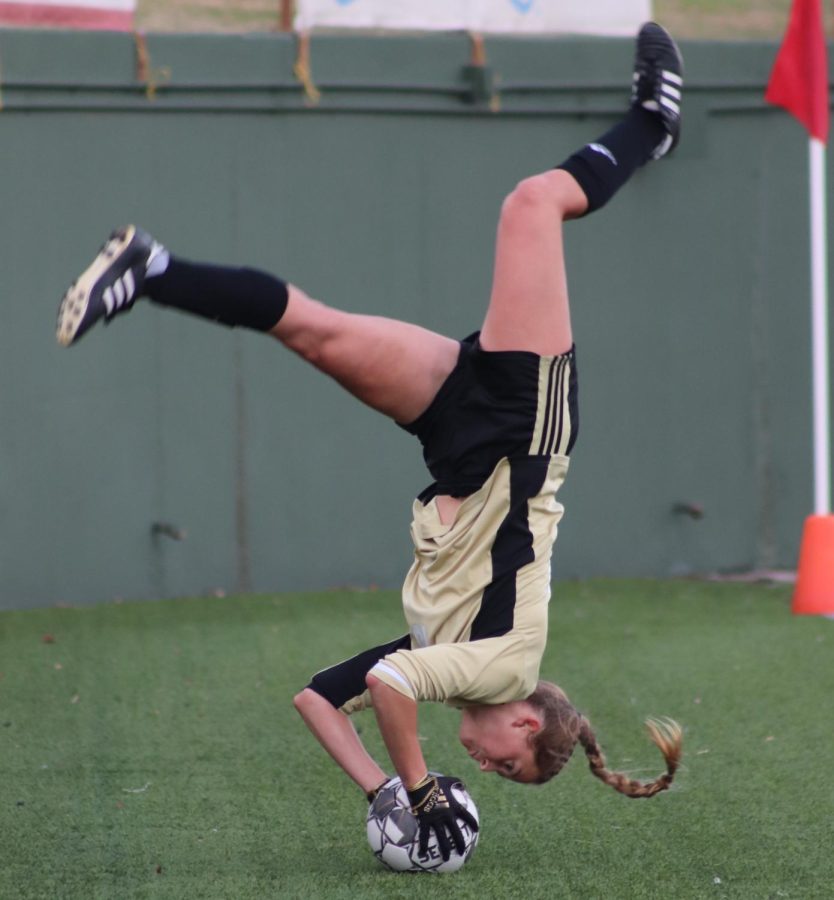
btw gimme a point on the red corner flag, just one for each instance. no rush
(799, 80)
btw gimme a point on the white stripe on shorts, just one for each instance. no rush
(551, 434)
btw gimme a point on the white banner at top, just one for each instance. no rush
(603, 17)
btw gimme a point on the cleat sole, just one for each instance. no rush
(76, 300)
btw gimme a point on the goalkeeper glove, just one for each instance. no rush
(371, 795)
(437, 810)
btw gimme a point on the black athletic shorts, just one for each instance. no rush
(346, 680)
(487, 410)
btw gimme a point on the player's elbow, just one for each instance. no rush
(304, 700)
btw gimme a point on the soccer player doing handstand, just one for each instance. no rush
(497, 418)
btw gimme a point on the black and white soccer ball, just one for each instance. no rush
(394, 835)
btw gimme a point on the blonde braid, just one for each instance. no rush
(665, 733)
(563, 727)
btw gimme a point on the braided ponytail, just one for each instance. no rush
(564, 727)
(665, 733)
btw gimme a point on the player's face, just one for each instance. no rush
(498, 738)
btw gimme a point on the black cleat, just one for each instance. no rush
(658, 82)
(109, 285)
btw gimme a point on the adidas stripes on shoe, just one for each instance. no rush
(109, 285)
(658, 82)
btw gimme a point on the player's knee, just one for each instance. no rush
(528, 203)
(540, 197)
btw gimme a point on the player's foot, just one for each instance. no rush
(109, 285)
(658, 82)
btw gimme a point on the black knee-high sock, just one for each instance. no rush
(602, 167)
(245, 297)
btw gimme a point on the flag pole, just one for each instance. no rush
(799, 83)
(814, 591)
(819, 332)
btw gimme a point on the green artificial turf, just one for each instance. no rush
(151, 750)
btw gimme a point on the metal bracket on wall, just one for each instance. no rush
(693, 510)
(301, 69)
(166, 529)
(152, 78)
(479, 77)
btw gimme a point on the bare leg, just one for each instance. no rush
(528, 307)
(393, 367)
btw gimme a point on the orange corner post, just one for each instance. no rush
(814, 592)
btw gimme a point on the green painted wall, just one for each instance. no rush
(689, 295)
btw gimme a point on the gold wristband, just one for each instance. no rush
(426, 779)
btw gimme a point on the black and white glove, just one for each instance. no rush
(437, 809)
(371, 795)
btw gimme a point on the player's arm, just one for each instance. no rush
(396, 716)
(335, 732)
(432, 802)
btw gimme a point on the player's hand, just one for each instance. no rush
(371, 795)
(438, 810)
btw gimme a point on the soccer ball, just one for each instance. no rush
(394, 835)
